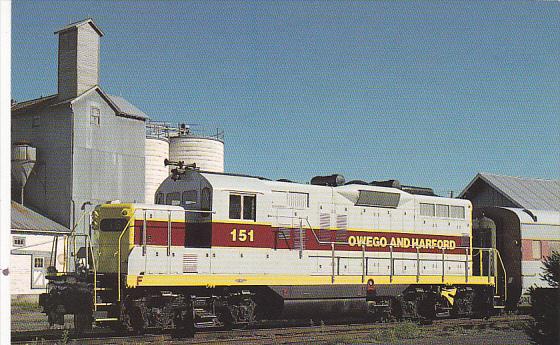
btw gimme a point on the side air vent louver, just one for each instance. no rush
(378, 199)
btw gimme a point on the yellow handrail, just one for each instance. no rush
(67, 258)
(119, 259)
(505, 275)
(94, 264)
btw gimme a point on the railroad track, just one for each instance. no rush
(270, 333)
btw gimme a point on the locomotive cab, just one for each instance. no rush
(109, 221)
(121, 230)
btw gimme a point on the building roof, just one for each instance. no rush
(37, 102)
(121, 106)
(80, 23)
(25, 219)
(534, 194)
(126, 107)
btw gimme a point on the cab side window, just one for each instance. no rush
(249, 207)
(173, 198)
(206, 201)
(160, 199)
(189, 198)
(234, 206)
(242, 206)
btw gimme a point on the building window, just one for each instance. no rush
(554, 246)
(537, 250)
(242, 205)
(94, 117)
(38, 262)
(19, 241)
(35, 121)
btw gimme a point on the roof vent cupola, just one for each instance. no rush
(78, 58)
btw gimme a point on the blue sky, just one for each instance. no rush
(429, 93)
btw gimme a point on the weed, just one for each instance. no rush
(65, 337)
(407, 330)
(25, 305)
(161, 340)
(342, 339)
(518, 325)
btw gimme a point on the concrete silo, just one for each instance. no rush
(157, 150)
(206, 151)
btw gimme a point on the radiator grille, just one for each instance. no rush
(190, 263)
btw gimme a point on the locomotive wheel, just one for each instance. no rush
(82, 322)
(55, 317)
(136, 320)
(426, 306)
(184, 324)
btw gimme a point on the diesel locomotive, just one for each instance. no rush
(224, 250)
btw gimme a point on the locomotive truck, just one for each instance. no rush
(224, 250)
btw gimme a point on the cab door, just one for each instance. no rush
(110, 229)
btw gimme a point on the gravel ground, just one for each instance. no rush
(28, 317)
(498, 330)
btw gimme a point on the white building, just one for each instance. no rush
(33, 239)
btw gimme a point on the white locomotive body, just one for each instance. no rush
(222, 249)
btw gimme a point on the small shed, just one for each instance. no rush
(34, 238)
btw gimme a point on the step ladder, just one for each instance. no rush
(104, 299)
(499, 302)
(500, 295)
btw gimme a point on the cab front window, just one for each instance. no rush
(113, 224)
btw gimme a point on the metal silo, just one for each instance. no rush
(157, 150)
(24, 158)
(206, 151)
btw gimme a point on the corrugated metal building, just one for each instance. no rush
(507, 191)
(90, 145)
(526, 213)
(33, 238)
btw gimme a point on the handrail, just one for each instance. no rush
(71, 234)
(119, 259)
(315, 235)
(505, 275)
(445, 259)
